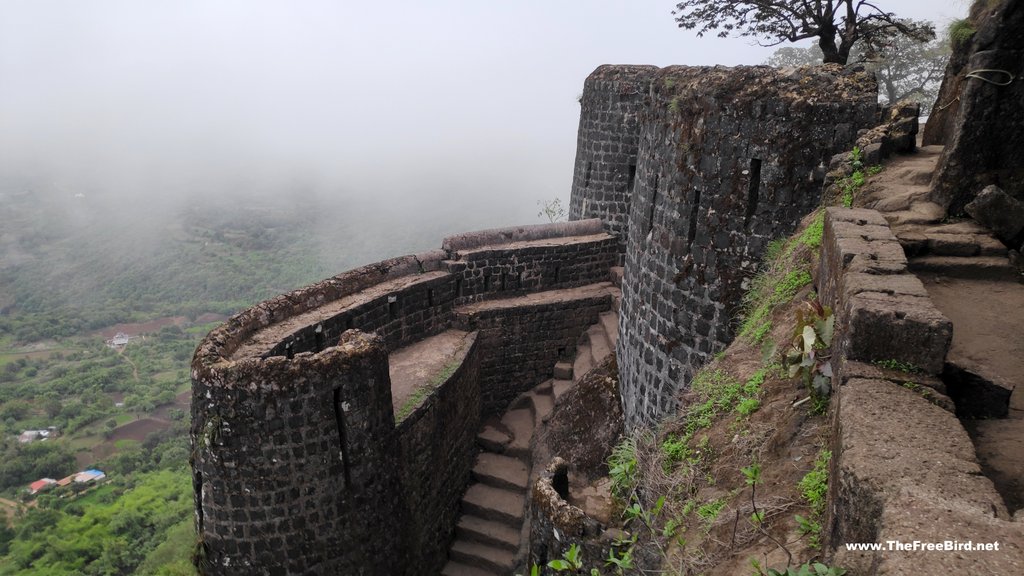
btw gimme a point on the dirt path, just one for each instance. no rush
(135, 369)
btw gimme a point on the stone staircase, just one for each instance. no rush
(492, 531)
(933, 246)
(970, 278)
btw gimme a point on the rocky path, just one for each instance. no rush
(493, 531)
(970, 279)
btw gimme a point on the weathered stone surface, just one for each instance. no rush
(908, 329)
(726, 164)
(1000, 213)
(986, 134)
(905, 470)
(613, 102)
(299, 466)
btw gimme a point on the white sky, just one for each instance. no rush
(465, 103)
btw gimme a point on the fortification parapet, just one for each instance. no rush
(299, 466)
(729, 159)
(284, 447)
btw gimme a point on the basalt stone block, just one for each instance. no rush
(909, 329)
(999, 212)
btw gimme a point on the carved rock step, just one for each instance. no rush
(563, 370)
(600, 348)
(501, 471)
(945, 244)
(978, 267)
(494, 437)
(453, 568)
(918, 213)
(583, 363)
(543, 401)
(497, 504)
(560, 387)
(520, 423)
(486, 557)
(473, 529)
(616, 272)
(610, 323)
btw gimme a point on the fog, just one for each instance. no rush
(425, 116)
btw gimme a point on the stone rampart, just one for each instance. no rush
(527, 336)
(286, 450)
(729, 159)
(613, 102)
(434, 441)
(298, 464)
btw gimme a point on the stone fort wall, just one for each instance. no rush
(613, 103)
(298, 464)
(727, 160)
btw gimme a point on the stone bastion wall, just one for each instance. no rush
(298, 463)
(728, 159)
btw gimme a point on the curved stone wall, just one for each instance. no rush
(298, 465)
(613, 101)
(729, 159)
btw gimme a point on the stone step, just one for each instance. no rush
(473, 529)
(583, 363)
(918, 213)
(978, 267)
(520, 423)
(501, 471)
(600, 348)
(496, 504)
(453, 568)
(616, 303)
(900, 201)
(560, 387)
(917, 173)
(610, 323)
(494, 437)
(924, 243)
(615, 273)
(563, 370)
(543, 404)
(483, 556)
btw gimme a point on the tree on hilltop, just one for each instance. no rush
(837, 24)
(904, 67)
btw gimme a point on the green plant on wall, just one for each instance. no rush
(809, 355)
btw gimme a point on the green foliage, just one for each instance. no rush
(709, 511)
(752, 474)
(622, 467)
(808, 569)
(811, 236)
(811, 528)
(570, 560)
(784, 272)
(814, 485)
(104, 537)
(893, 364)
(960, 32)
(808, 357)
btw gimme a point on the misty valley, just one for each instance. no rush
(103, 298)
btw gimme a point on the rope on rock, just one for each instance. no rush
(977, 74)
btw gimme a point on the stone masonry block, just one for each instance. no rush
(883, 326)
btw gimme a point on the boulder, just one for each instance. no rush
(1000, 213)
